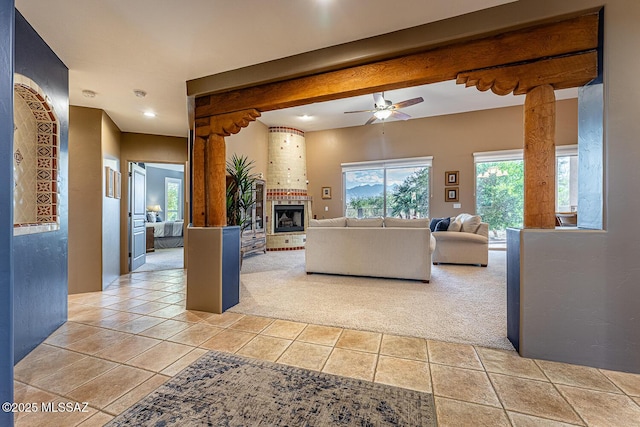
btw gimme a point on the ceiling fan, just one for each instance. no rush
(383, 108)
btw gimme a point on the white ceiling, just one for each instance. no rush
(114, 47)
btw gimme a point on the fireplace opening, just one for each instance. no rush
(288, 218)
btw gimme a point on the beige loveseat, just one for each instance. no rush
(366, 247)
(466, 241)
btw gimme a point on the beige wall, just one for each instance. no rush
(451, 140)
(136, 147)
(251, 142)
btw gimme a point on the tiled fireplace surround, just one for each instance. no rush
(286, 184)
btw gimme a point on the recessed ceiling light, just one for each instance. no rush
(88, 93)
(149, 114)
(140, 93)
(306, 117)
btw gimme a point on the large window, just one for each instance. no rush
(500, 187)
(173, 197)
(397, 188)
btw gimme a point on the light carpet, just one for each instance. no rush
(227, 390)
(464, 304)
(163, 259)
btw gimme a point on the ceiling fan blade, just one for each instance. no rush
(360, 111)
(378, 98)
(400, 115)
(408, 102)
(371, 120)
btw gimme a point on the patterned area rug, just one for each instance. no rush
(221, 389)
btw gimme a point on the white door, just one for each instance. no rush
(137, 215)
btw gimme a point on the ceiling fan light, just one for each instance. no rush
(382, 114)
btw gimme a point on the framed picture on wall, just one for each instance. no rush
(451, 177)
(326, 192)
(451, 194)
(117, 182)
(109, 177)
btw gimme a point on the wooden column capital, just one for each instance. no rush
(209, 165)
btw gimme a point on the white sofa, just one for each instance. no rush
(463, 242)
(365, 247)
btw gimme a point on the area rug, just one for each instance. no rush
(462, 303)
(163, 259)
(221, 389)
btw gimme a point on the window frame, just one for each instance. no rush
(167, 181)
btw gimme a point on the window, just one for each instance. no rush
(398, 188)
(500, 187)
(172, 198)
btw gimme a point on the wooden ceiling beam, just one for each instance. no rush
(575, 35)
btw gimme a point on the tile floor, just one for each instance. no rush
(121, 344)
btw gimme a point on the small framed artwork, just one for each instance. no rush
(451, 194)
(451, 177)
(117, 182)
(109, 176)
(326, 192)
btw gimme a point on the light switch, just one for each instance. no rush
(326, 208)
(456, 206)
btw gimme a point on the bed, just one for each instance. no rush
(167, 234)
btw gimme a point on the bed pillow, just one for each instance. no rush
(364, 222)
(151, 217)
(406, 223)
(158, 218)
(331, 222)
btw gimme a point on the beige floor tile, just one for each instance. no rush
(284, 329)
(454, 413)
(459, 355)
(509, 363)
(629, 383)
(133, 396)
(148, 307)
(533, 397)
(192, 316)
(360, 340)
(228, 340)
(27, 394)
(98, 341)
(463, 384)
(522, 420)
(139, 324)
(223, 320)
(323, 335)
(165, 329)
(405, 347)
(411, 374)
(127, 291)
(42, 361)
(601, 409)
(72, 376)
(130, 303)
(351, 363)
(73, 334)
(159, 357)
(253, 324)
(172, 299)
(127, 348)
(99, 419)
(305, 355)
(183, 362)
(108, 387)
(169, 312)
(154, 295)
(195, 334)
(117, 320)
(265, 348)
(93, 316)
(578, 376)
(177, 288)
(637, 400)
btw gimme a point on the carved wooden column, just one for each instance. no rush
(540, 158)
(209, 165)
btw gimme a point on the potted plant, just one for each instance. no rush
(240, 197)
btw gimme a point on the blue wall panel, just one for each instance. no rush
(6, 206)
(40, 260)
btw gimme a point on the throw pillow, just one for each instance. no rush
(158, 218)
(151, 217)
(330, 222)
(442, 225)
(434, 222)
(406, 223)
(455, 224)
(471, 224)
(364, 222)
